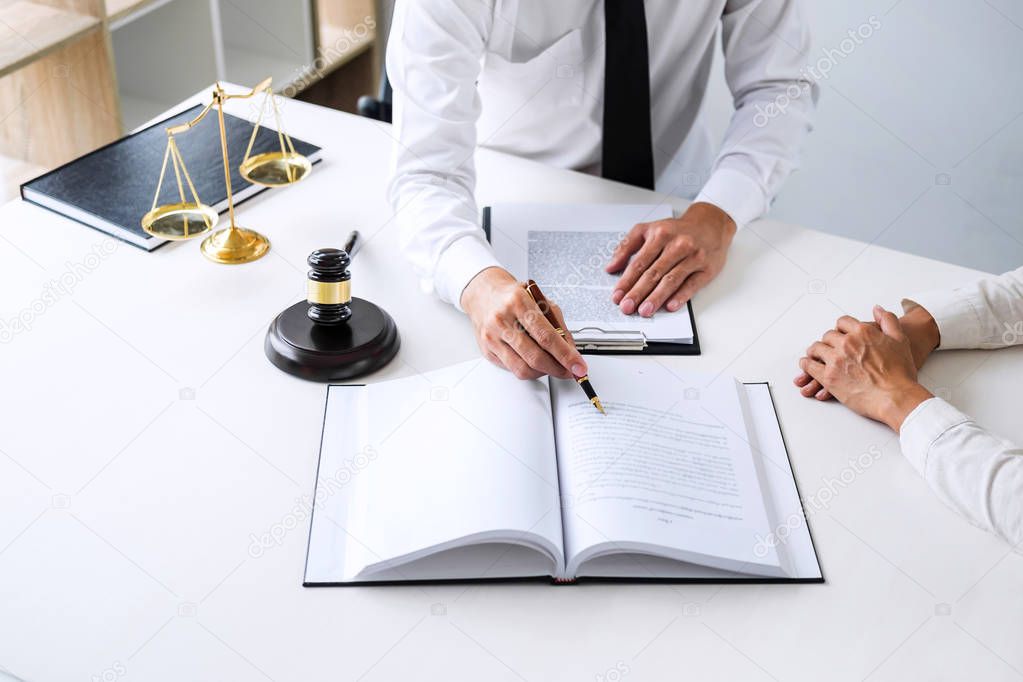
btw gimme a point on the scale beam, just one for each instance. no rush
(186, 219)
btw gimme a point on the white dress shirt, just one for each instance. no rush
(973, 471)
(527, 77)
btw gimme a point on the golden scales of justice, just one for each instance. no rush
(189, 219)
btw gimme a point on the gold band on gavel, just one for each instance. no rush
(329, 292)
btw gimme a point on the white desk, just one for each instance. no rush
(146, 440)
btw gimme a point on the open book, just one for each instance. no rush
(468, 473)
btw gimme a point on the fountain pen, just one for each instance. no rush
(533, 289)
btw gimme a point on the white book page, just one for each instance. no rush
(564, 247)
(484, 561)
(791, 532)
(460, 456)
(667, 471)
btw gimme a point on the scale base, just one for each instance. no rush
(234, 245)
(318, 352)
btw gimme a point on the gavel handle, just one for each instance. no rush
(352, 244)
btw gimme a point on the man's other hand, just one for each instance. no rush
(667, 261)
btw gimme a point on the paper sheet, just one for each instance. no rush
(565, 248)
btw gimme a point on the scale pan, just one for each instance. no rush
(275, 169)
(180, 221)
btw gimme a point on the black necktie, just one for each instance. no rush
(628, 144)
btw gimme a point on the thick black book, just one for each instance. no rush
(466, 473)
(111, 188)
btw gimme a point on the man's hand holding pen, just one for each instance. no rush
(512, 331)
(519, 329)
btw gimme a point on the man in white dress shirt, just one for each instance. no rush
(605, 86)
(871, 368)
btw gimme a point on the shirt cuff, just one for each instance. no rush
(923, 426)
(741, 197)
(959, 325)
(464, 258)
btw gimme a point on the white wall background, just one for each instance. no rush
(919, 137)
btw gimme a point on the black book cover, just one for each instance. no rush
(111, 188)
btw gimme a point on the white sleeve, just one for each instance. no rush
(767, 48)
(433, 60)
(971, 470)
(985, 314)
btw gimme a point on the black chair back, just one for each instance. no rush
(379, 107)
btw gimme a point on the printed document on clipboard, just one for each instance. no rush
(564, 247)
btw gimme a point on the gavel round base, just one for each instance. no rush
(318, 352)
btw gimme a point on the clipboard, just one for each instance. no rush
(652, 347)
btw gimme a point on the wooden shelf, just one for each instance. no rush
(343, 31)
(29, 30)
(119, 8)
(251, 67)
(338, 46)
(75, 74)
(64, 103)
(247, 68)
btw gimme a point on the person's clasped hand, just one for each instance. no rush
(917, 325)
(667, 261)
(868, 367)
